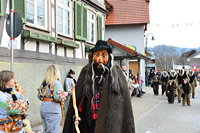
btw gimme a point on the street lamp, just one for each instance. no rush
(146, 39)
(146, 42)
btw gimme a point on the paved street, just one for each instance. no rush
(153, 114)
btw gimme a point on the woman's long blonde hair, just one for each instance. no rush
(51, 74)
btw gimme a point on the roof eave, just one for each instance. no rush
(145, 23)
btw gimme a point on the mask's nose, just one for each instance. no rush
(99, 60)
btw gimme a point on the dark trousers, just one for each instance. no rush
(92, 126)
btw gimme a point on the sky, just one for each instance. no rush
(174, 23)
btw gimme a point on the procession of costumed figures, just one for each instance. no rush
(176, 83)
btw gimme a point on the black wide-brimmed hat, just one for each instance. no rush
(101, 45)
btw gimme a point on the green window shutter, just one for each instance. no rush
(78, 20)
(99, 26)
(84, 23)
(20, 7)
(1, 8)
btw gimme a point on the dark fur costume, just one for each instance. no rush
(115, 114)
(155, 86)
(186, 90)
(164, 81)
(181, 77)
(172, 77)
(192, 78)
(193, 83)
(170, 91)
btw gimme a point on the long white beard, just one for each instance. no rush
(98, 71)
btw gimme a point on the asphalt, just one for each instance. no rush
(153, 114)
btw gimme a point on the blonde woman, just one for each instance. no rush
(52, 95)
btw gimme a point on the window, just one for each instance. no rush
(90, 27)
(36, 11)
(64, 17)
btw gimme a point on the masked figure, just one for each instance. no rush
(192, 81)
(102, 96)
(173, 77)
(164, 80)
(185, 89)
(170, 91)
(155, 85)
(182, 74)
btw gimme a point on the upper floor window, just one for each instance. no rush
(90, 26)
(64, 17)
(36, 13)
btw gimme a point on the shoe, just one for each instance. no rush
(193, 97)
(183, 105)
(143, 92)
(189, 104)
(179, 101)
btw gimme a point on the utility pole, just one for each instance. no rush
(14, 26)
(11, 33)
(146, 42)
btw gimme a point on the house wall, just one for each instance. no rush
(32, 56)
(44, 47)
(29, 68)
(31, 80)
(181, 67)
(128, 34)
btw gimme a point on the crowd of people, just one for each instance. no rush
(134, 86)
(101, 91)
(175, 83)
(100, 82)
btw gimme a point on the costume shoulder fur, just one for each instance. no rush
(115, 115)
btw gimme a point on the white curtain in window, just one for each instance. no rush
(90, 26)
(36, 12)
(64, 17)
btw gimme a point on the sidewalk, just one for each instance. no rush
(146, 103)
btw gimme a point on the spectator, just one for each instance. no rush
(130, 83)
(52, 95)
(199, 77)
(12, 107)
(141, 84)
(151, 75)
(125, 72)
(135, 86)
(69, 83)
(158, 74)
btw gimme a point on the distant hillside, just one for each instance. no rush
(166, 55)
(165, 50)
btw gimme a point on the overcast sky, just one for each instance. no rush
(175, 22)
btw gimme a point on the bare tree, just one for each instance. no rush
(165, 56)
